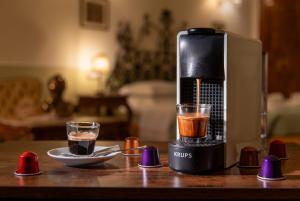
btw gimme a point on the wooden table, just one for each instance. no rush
(120, 178)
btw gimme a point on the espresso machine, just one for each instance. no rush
(223, 70)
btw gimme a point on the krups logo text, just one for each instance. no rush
(182, 155)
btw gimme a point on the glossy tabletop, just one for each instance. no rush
(121, 178)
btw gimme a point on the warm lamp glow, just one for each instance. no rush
(228, 3)
(100, 64)
(99, 70)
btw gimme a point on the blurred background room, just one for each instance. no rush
(114, 61)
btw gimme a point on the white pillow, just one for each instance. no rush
(294, 99)
(295, 96)
(149, 88)
(276, 97)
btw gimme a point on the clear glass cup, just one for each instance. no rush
(82, 137)
(193, 122)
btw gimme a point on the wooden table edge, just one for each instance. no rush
(151, 193)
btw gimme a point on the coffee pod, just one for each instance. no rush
(249, 158)
(278, 148)
(150, 158)
(270, 169)
(28, 164)
(131, 143)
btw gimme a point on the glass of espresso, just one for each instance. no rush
(82, 137)
(193, 122)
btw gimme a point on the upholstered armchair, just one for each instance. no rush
(19, 98)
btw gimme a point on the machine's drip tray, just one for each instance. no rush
(199, 144)
(196, 158)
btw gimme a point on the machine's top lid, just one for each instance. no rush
(201, 53)
(204, 31)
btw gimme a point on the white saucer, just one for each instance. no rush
(57, 154)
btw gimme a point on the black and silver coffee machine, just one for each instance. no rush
(222, 70)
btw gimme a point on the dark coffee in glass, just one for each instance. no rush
(81, 143)
(82, 137)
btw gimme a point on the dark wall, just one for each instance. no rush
(280, 34)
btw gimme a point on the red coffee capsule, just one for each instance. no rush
(249, 157)
(277, 148)
(28, 164)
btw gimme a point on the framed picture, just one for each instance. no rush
(94, 14)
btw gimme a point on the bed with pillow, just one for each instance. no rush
(154, 107)
(284, 114)
(145, 71)
(19, 99)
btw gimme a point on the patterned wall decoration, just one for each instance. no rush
(135, 62)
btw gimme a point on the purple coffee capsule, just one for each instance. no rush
(150, 158)
(270, 169)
